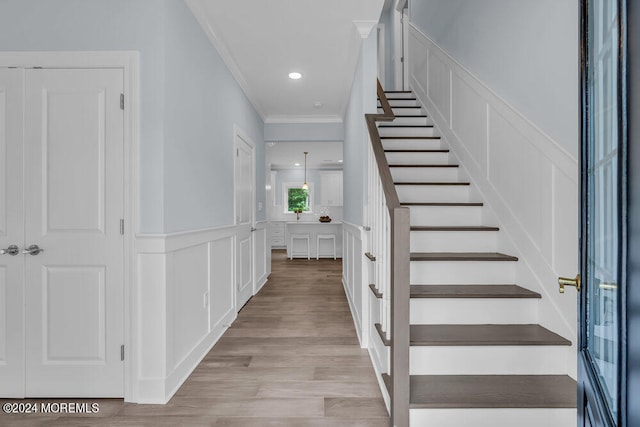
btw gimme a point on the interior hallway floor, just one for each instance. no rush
(291, 358)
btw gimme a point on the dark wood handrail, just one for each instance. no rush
(388, 187)
(400, 259)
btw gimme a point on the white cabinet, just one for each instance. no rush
(277, 234)
(331, 188)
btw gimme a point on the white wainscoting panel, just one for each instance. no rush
(526, 179)
(184, 300)
(352, 278)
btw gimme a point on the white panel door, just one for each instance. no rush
(74, 203)
(244, 183)
(11, 234)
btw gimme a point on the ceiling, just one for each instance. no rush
(263, 41)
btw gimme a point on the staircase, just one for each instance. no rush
(477, 354)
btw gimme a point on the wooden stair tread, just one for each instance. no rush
(375, 291)
(382, 335)
(456, 183)
(461, 256)
(453, 228)
(471, 291)
(466, 204)
(422, 166)
(483, 335)
(492, 391)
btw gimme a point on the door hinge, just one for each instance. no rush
(237, 152)
(122, 227)
(122, 101)
(122, 352)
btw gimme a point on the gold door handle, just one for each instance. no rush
(563, 281)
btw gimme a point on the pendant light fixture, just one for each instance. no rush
(305, 186)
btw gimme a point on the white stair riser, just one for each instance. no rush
(435, 193)
(424, 174)
(412, 144)
(493, 417)
(454, 241)
(406, 131)
(445, 215)
(414, 121)
(418, 158)
(417, 111)
(401, 103)
(466, 311)
(400, 95)
(489, 360)
(461, 272)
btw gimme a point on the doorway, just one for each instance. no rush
(62, 206)
(609, 356)
(245, 217)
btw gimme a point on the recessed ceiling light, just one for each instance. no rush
(295, 75)
(317, 105)
(297, 164)
(339, 161)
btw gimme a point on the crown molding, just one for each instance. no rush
(364, 27)
(227, 58)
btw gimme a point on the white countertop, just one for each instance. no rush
(314, 222)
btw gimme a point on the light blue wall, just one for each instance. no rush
(362, 100)
(187, 108)
(105, 25)
(386, 18)
(203, 103)
(526, 51)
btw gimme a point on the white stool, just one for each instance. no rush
(299, 237)
(328, 237)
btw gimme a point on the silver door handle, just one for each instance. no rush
(12, 250)
(33, 250)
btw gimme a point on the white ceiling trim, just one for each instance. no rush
(303, 119)
(199, 14)
(364, 27)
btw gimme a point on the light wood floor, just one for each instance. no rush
(290, 359)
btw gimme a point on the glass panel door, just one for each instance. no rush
(602, 204)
